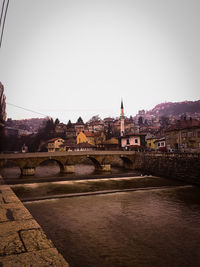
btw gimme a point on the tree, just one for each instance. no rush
(2, 116)
(95, 118)
(80, 120)
(69, 124)
(57, 121)
(109, 132)
(140, 120)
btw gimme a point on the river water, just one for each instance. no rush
(148, 227)
(51, 172)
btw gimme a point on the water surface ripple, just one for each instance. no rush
(140, 228)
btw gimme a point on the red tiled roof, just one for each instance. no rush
(53, 139)
(88, 134)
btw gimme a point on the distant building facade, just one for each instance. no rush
(55, 144)
(184, 136)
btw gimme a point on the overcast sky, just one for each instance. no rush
(70, 58)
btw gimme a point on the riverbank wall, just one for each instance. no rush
(23, 242)
(185, 167)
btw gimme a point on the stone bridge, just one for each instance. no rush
(102, 160)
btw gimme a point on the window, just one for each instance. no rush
(175, 135)
(136, 141)
(184, 134)
(127, 141)
(162, 144)
(198, 134)
(190, 134)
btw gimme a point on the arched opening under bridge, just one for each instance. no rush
(49, 168)
(10, 170)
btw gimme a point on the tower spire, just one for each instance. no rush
(122, 105)
(122, 119)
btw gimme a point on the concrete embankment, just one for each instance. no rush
(22, 240)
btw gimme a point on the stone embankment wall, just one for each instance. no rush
(22, 241)
(184, 167)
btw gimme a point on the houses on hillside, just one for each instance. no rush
(123, 133)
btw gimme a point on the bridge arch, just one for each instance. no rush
(10, 168)
(48, 162)
(96, 163)
(127, 162)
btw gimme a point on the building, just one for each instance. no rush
(93, 138)
(2, 105)
(150, 143)
(71, 146)
(110, 144)
(61, 128)
(160, 144)
(55, 144)
(184, 136)
(133, 141)
(84, 147)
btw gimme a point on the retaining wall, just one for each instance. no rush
(22, 240)
(184, 167)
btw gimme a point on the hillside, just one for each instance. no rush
(31, 125)
(189, 108)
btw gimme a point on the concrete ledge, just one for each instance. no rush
(22, 240)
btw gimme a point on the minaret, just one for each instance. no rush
(122, 119)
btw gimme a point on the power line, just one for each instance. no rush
(30, 110)
(2, 12)
(3, 20)
(33, 111)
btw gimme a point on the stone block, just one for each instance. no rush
(3, 217)
(9, 196)
(105, 167)
(11, 244)
(42, 258)
(10, 227)
(1, 199)
(68, 169)
(28, 171)
(35, 239)
(21, 213)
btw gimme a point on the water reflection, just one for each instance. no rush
(53, 170)
(142, 228)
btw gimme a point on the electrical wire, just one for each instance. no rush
(4, 22)
(30, 110)
(33, 111)
(2, 12)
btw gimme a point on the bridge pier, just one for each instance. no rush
(28, 171)
(68, 169)
(105, 167)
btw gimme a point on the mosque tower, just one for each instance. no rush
(122, 130)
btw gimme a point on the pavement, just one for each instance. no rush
(22, 240)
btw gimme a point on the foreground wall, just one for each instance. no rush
(185, 167)
(22, 241)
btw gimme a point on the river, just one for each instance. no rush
(51, 172)
(146, 227)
